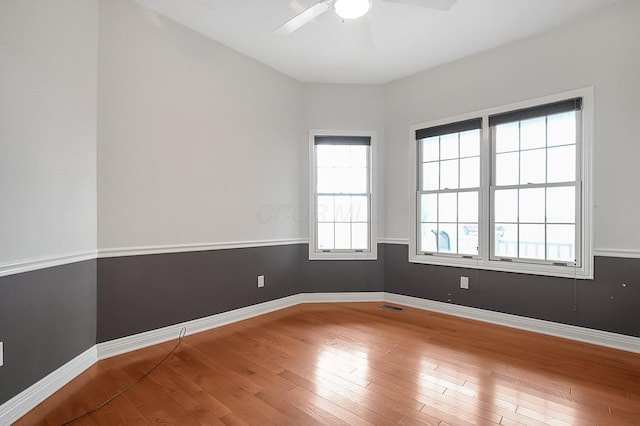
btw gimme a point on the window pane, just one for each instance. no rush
(356, 181)
(561, 205)
(506, 205)
(325, 236)
(449, 146)
(359, 209)
(533, 166)
(430, 176)
(358, 156)
(508, 137)
(507, 169)
(468, 238)
(468, 229)
(325, 179)
(324, 155)
(532, 205)
(562, 164)
(447, 207)
(506, 240)
(448, 238)
(342, 209)
(343, 236)
(532, 241)
(561, 242)
(470, 172)
(431, 149)
(449, 174)
(325, 208)
(561, 129)
(470, 143)
(359, 236)
(468, 207)
(341, 155)
(429, 208)
(347, 180)
(428, 237)
(533, 133)
(341, 183)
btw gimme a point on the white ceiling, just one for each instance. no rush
(390, 42)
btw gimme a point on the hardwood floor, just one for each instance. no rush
(359, 364)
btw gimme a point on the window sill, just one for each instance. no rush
(584, 273)
(346, 255)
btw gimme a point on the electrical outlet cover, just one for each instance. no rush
(464, 283)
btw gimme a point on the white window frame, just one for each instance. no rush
(484, 260)
(314, 253)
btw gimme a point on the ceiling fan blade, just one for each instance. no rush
(429, 4)
(303, 17)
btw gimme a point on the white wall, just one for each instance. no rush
(198, 144)
(600, 51)
(48, 91)
(344, 107)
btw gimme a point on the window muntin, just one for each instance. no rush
(449, 184)
(341, 197)
(558, 234)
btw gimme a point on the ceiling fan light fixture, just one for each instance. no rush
(351, 9)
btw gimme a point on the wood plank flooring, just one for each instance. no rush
(357, 364)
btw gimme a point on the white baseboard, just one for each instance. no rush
(28, 399)
(373, 296)
(21, 404)
(160, 335)
(165, 334)
(572, 332)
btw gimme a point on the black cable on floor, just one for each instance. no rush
(183, 331)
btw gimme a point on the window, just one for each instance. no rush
(449, 185)
(342, 196)
(507, 188)
(535, 183)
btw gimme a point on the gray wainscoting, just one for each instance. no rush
(47, 318)
(337, 276)
(142, 293)
(600, 304)
(50, 316)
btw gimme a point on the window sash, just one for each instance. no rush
(545, 223)
(351, 222)
(454, 239)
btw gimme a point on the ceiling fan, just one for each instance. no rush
(351, 9)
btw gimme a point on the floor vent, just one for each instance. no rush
(392, 308)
